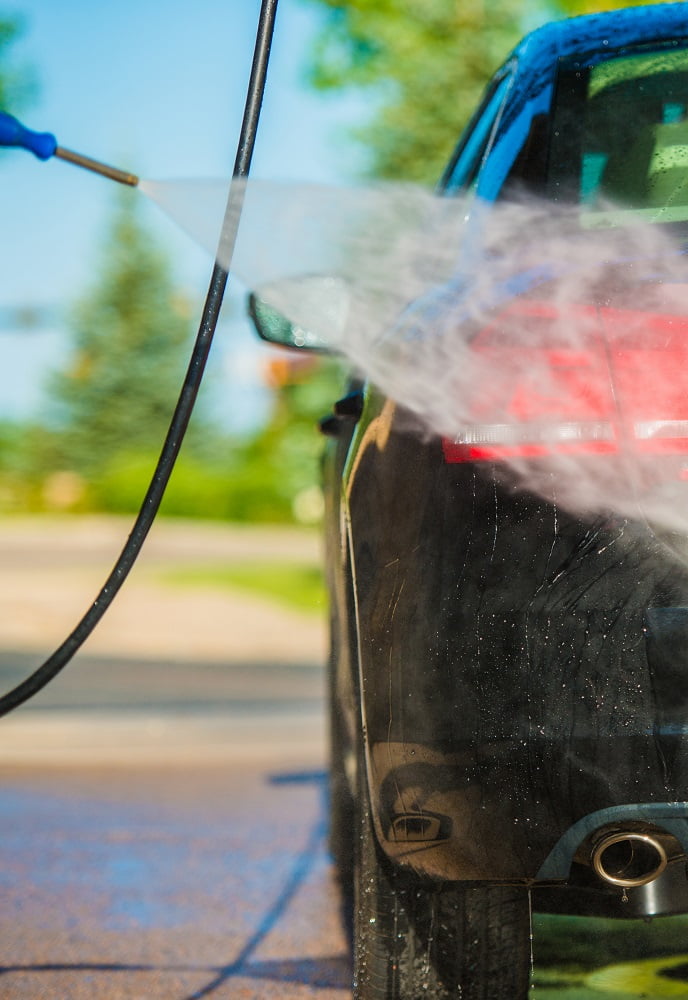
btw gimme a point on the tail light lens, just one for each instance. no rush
(576, 379)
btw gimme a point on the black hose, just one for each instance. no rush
(189, 391)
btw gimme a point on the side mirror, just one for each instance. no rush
(274, 327)
(309, 313)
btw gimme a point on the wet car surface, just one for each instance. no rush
(510, 589)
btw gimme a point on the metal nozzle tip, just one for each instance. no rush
(121, 176)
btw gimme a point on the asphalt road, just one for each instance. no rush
(183, 672)
(168, 882)
(162, 803)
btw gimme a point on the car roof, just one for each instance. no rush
(532, 64)
(618, 28)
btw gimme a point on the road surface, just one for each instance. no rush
(168, 882)
(163, 802)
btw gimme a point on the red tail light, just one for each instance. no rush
(566, 380)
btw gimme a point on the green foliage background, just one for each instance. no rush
(131, 333)
(423, 66)
(111, 406)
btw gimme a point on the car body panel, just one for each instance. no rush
(524, 665)
(500, 646)
(508, 667)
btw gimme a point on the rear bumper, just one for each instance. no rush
(496, 812)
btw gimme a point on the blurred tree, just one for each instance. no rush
(425, 65)
(16, 82)
(280, 473)
(130, 331)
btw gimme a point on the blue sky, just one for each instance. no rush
(156, 87)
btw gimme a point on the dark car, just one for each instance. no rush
(509, 668)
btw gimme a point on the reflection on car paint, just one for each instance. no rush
(507, 531)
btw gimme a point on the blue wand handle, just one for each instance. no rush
(13, 133)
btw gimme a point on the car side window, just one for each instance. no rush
(475, 142)
(622, 134)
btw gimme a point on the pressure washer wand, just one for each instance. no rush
(44, 146)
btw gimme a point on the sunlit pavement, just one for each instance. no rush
(168, 882)
(51, 569)
(162, 802)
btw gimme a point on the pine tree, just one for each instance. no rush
(129, 339)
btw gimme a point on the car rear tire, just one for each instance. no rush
(439, 941)
(342, 816)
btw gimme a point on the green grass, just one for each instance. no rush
(587, 943)
(296, 585)
(568, 950)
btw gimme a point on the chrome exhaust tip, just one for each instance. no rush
(629, 858)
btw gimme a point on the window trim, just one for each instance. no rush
(505, 74)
